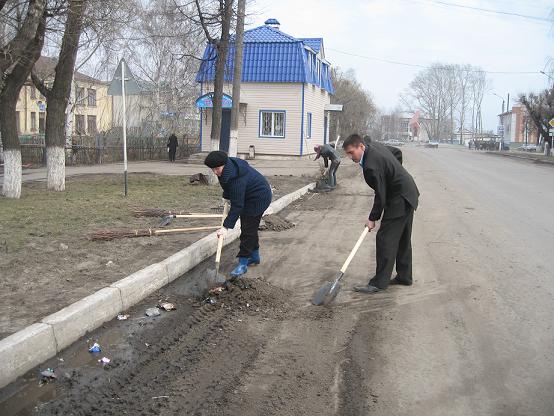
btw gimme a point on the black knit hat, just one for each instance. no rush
(215, 159)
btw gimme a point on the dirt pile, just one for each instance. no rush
(274, 222)
(187, 363)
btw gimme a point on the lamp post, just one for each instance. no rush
(501, 120)
(546, 75)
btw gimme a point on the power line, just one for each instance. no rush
(447, 68)
(481, 9)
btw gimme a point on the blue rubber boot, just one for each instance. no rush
(241, 269)
(254, 257)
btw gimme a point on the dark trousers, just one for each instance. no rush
(332, 178)
(172, 151)
(249, 235)
(394, 244)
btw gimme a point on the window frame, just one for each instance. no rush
(33, 121)
(89, 96)
(272, 112)
(80, 131)
(80, 98)
(309, 119)
(89, 118)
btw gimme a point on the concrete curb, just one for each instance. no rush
(40, 341)
(524, 157)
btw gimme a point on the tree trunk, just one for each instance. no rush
(12, 149)
(237, 74)
(222, 49)
(13, 81)
(58, 97)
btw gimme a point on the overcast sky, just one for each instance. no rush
(423, 32)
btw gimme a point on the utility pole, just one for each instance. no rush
(237, 75)
(124, 125)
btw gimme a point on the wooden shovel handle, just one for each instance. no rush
(193, 215)
(182, 230)
(219, 248)
(354, 250)
(225, 212)
(220, 239)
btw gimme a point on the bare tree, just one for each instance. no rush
(453, 95)
(358, 107)
(464, 76)
(221, 18)
(57, 96)
(162, 50)
(17, 57)
(478, 83)
(540, 108)
(429, 92)
(237, 74)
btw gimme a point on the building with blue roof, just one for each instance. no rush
(285, 93)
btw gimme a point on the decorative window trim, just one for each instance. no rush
(273, 112)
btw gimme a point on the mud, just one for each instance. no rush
(189, 358)
(274, 222)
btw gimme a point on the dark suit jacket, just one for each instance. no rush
(396, 152)
(393, 185)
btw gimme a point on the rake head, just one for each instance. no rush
(166, 221)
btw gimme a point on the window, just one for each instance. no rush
(79, 124)
(33, 92)
(33, 121)
(41, 122)
(91, 125)
(272, 123)
(91, 97)
(308, 125)
(80, 96)
(318, 71)
(404, 126)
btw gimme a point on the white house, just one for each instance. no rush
(285, 93)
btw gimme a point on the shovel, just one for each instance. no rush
(166, 220)
(329, 291)
(214, 277)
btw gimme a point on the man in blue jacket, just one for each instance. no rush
(250, 195)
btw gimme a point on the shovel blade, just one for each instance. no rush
(326, 294)
(215, 278)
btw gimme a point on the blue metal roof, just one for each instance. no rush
(271, 56)
(314, 43)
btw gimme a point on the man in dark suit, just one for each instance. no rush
(396, 199)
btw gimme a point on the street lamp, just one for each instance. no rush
(502, 118)
(502, 98)
(548, 76)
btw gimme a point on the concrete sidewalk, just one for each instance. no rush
(267, 167)
(533, 157)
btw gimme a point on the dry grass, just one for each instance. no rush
(92, 202)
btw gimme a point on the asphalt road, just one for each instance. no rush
(472, 336)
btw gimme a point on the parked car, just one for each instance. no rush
(528, 148)
(433, 144)
(393, 142)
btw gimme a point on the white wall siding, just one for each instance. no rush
(274, 96)
(315, 99)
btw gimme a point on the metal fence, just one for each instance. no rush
(85, 150)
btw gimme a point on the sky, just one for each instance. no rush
(424, 32)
